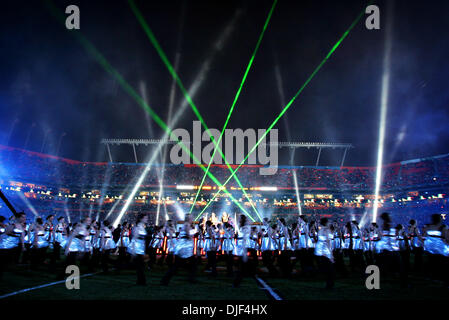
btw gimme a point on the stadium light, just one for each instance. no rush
(291, 101)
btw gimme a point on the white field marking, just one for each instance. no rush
(43, 286)
(269, 289)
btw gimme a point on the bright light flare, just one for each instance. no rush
(267, 188)
(184, 187)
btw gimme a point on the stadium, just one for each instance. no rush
(410, 189)
(345, 180)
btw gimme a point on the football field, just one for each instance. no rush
(22, 283)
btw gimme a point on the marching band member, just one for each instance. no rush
(268, 246)
(2, 225)
(295, 242)
(436, 239)
(11, 240)
(210, 248)
(302, 247)
(337, 252)
(323, 252)
(26, 256)
(311, 242)
(96, 244)
(241, 250)
(388, 249)
(123, 243)
(89, 242)
(366, 240)
(49, 230)
(356, 250)
(156, 243)
(285, 248)
(137, 247)
(60, 237)
(254, 248)
(347, 231)
(39, 243)
(404, 247)
(228, 247)
(75, 247)
(107, 245)
(184, 252)
(170, 233)
(416, 244)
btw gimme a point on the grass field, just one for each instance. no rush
(121, 286)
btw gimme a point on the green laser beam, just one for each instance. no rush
(170, 68)
(90, 48)
(237, 95)
(289, 103)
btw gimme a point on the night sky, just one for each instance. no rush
(48, 78)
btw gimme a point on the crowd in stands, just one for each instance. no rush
(55, 173)
(40, 169)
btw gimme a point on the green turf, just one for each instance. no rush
(121, 286)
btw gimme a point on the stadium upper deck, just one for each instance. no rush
(32, 167)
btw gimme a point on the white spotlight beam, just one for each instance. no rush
(383, 110)
(295, 180)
